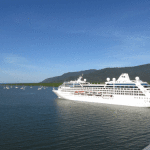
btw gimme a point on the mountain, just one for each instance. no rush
(93, 75)
(67, 76)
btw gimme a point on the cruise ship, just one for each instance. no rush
(118, 92)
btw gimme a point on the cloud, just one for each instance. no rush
(19, 76)
(13, 58)
(16, 61)
(21, 69)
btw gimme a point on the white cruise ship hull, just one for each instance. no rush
(126, 100)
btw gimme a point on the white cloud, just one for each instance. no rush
(13, 61)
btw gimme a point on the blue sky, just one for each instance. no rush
(46, 38)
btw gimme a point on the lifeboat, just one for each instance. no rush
(76, 93)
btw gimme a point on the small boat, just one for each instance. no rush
(7, 87)
(23, 88)
(40, 88)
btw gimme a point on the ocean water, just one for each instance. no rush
(34, 119)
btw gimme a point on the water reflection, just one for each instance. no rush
(37, 120)
(106, 124)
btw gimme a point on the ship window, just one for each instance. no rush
(68, 85)
(144, 84)
(124, 84)
(77, 85)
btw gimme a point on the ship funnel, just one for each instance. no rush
(124, 78)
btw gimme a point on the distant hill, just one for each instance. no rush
(67, 76)
(143, 71)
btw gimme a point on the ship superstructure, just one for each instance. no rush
(119, 92)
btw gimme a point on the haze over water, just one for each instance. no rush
(37, 119)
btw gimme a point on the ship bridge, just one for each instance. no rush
(124, 80)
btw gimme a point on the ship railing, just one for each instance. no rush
(118, 91)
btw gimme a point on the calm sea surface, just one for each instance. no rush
(34, 119)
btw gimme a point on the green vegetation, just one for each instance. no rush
(94, 76)
(34, 84)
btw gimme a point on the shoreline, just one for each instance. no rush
(33, 84)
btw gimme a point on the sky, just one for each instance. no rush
(40, 39)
